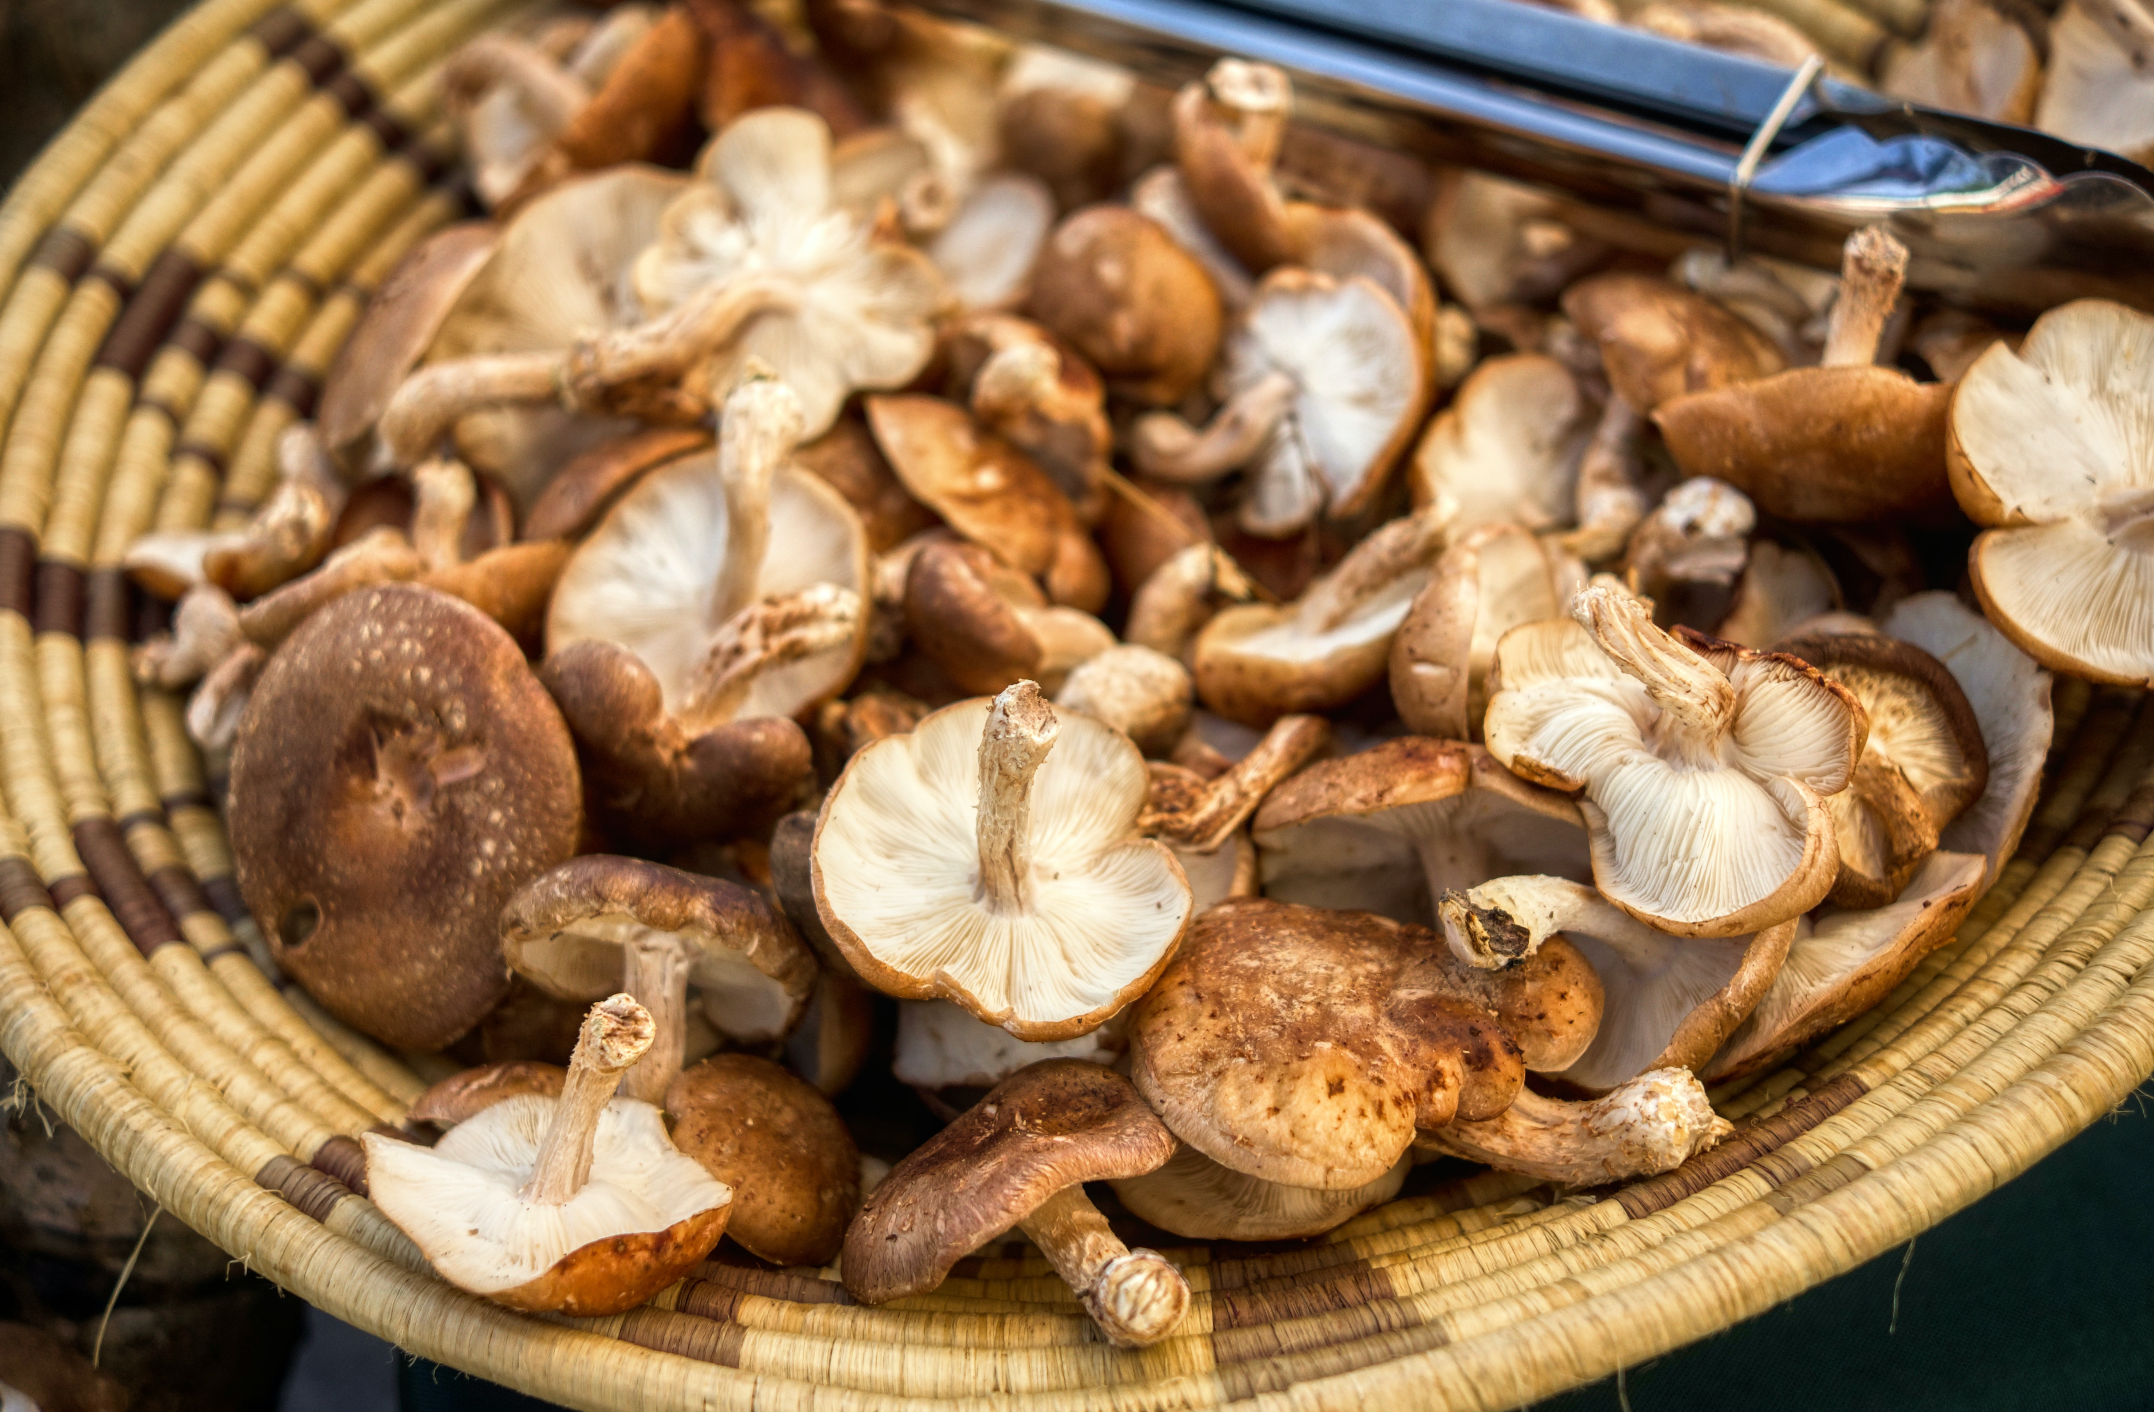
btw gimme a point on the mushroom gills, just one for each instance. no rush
(1195, 1197)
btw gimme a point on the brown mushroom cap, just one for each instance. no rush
(465, 1095)
(581, 492)
(1194, 1196)
(398, 774)
(1488, 582)
(1050, 1126)
(1134, 303)
(779, 1144)
(1305, 1046)
(987, 626)
(1659, 340)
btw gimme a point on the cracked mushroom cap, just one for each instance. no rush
(779, 1145)
(1507, 448)
(844, 311)
(1256, 662)
(1670, 1001)
(1394, 827)
(1923, 763)
(571, 930)
(2009, 694)
(1842, 963)
(1702, 767)
(1659, 340)
(2052, 449)
(986, 625)
(397, 774)
(1488, 582)
(1305, 1046)
(1139, 308)
(1048, 1127)
(578, 1204)
(1195, 1197)
(989, 857)
(2099, 91)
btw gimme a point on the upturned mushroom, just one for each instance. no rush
(1670, 1001)
(1394, 827)
(779, 1145)
(397, 775)
(1194, 1196)
(1187, 590)
(1487, 582)
(1922, 764)
(1020, 1157)
(2050, 452)
(1202, 819)
(1255, 662)
(1507, 449)
(986, 625)
(1702, 768)
(578, 1205)
(992, 242)
(1132, 301)
(1025, 896)
(1846, 441)
(1654, 1123)
(599, 924)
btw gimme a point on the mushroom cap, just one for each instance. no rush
(465, 1095)
(987, 251)
(987, 625)
(1922, 764)
(582, 491)
(1305, 1046)
(1659, 340)
(1133, 302)
(847, 457)
(1707, 823)
(1388, 828)
(1489, 581)
(1195, 1197)
(392, 335)
(645, 1217)
(2099, 92)
(940, 1045)
(860, 310)
(397, 774)
(1839, 444)
(648, 578)
(897, 863)
(1047, 1127)
(1972, 59)
(1508, 446)
(1144, 694)
(2010, 698)
(645, 776)
(1781, 589)
(1841, 963)
(566, 929)
(2050, 446)
(779, 1145)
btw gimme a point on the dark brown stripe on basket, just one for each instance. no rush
(201, 451)
(21, 889)
(180, 893)
(119, 878)
(1348, 1287)
(162, 408)
(296, 388)
(156, 306)
(282, 30)
(121, 285)
(1247, 1345)
(1753, 1144)
(343, 1158)
(224, 895)
(351, 94)
(66, 890)
(18, 570)
(109, 608)
(196, 339)
(772, 1284)
(65, 251)
(152, 615)
(319, 57)
(710, 1301)
(248, 359)
(184, 799)
(314, 1193)
(705, 1340)
(62, 591)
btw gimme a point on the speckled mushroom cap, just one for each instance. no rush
(398, 774)
(779, 1144)
(1047, 1127)
(1305, 1046)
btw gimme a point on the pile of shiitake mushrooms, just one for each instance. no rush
(1280, 662)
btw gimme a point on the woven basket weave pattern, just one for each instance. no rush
(179, 270)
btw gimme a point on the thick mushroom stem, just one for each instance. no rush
(1135, 1296)
(1610, 502)
(1654, 1123)
(1260, 96)
(1166, 447)
(1689, 692)
(654, 969)
(669, 347)
(1231, 797)
(1402, 545)
(547, 92)
(205, 630)
(1872, 267)
(1493, 923)
(615, 1034)
(443, 494)
(761, 638)
(760, 428)
(1021, 729)
(1172, 606)
(431, 400)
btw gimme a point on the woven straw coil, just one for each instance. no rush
(180, 268)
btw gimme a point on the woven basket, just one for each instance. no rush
(179, 269)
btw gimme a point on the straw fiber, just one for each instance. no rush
(176, 274)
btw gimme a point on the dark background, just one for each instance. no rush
(2041, 1296)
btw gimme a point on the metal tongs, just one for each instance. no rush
(1709, 144)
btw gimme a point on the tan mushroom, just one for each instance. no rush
(941, 1046)
(992, 243)
(1031, 389)
(1659, 341)
(2098, 89)
(987, 626)
(1754, 34)
(1194, 1196)
(1497, 242)
(1201, 819)
(779, 1145)
(1175, 601)
(1508, 447)
(1487, 582)
(1144, 694)
(1974, 59)
(1127, 297)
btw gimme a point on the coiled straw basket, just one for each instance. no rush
(179, 269)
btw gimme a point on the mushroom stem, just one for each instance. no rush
(1013, 381)
(615, 1034)
(430, 401)
(1021, 729)
(1165, 446)
(443, 493)
(1684, 685)
(1404, 544)
(1135, 1296)
(759, 639)
(1492, 923)
(1654, 1123)
(1872, 266)
(1172, 606)
(667, 348)
(1610, 504)
(1260, 97)
(654, 969)
(760, 428)
(205, 630)
(548, 93)
(1232, 796)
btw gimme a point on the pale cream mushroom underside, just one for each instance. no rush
(2053, 446)
(2095, 94)
(1509, 445)
(1194, 1196)
(1029, 903)
(940, 1045)
(1701, 784)
(665, 575)
(987, 251)
(584, 960)
(812, 294)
